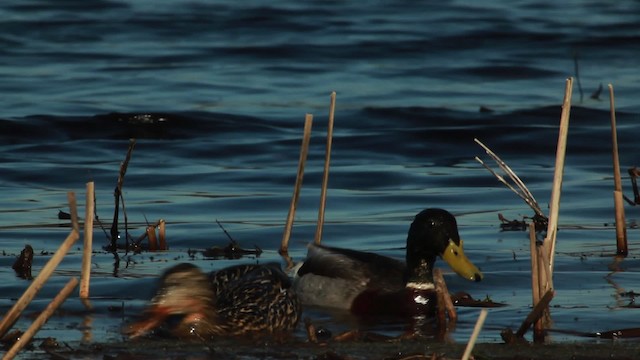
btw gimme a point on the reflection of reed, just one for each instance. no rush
(615, 267)
(87, 321)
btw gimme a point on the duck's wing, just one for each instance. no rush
(257, 298)
(221, 279)
(364, 270)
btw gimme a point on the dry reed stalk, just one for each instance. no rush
(523, 191)
(444, 299)
(325, 175)
(536, 314)
(535, 281)
(549, 244)
(474, 335)
(304, 150)
(41, 319)
(13, 314)
(162, 235)
(88, 241)
(618, 200)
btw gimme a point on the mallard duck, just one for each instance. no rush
(238, 300)
(370, 284)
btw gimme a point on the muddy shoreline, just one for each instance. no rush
(407, 349)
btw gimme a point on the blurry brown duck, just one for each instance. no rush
(238, 300)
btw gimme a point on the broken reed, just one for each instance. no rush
(542, 256)
(546, 252)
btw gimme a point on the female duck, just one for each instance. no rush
(370, 284)
(238, 300)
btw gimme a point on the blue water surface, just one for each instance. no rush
(216, 93)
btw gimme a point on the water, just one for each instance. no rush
(228, 85)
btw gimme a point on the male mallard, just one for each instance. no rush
(237, 300)
(370, 284)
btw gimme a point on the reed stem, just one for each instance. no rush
(304, 150)
(618, 199)
(85, 276)
(162, 235)
(554, 206)
(325, 175)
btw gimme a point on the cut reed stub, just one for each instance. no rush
(153, 240)
(162, 235)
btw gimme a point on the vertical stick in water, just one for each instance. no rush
(554, 206)
(304, 150)
(325, 177)
(621, 230)
(88, 241)
(535, 279)
(162, 234)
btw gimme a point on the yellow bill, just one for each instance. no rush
(458, 261)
